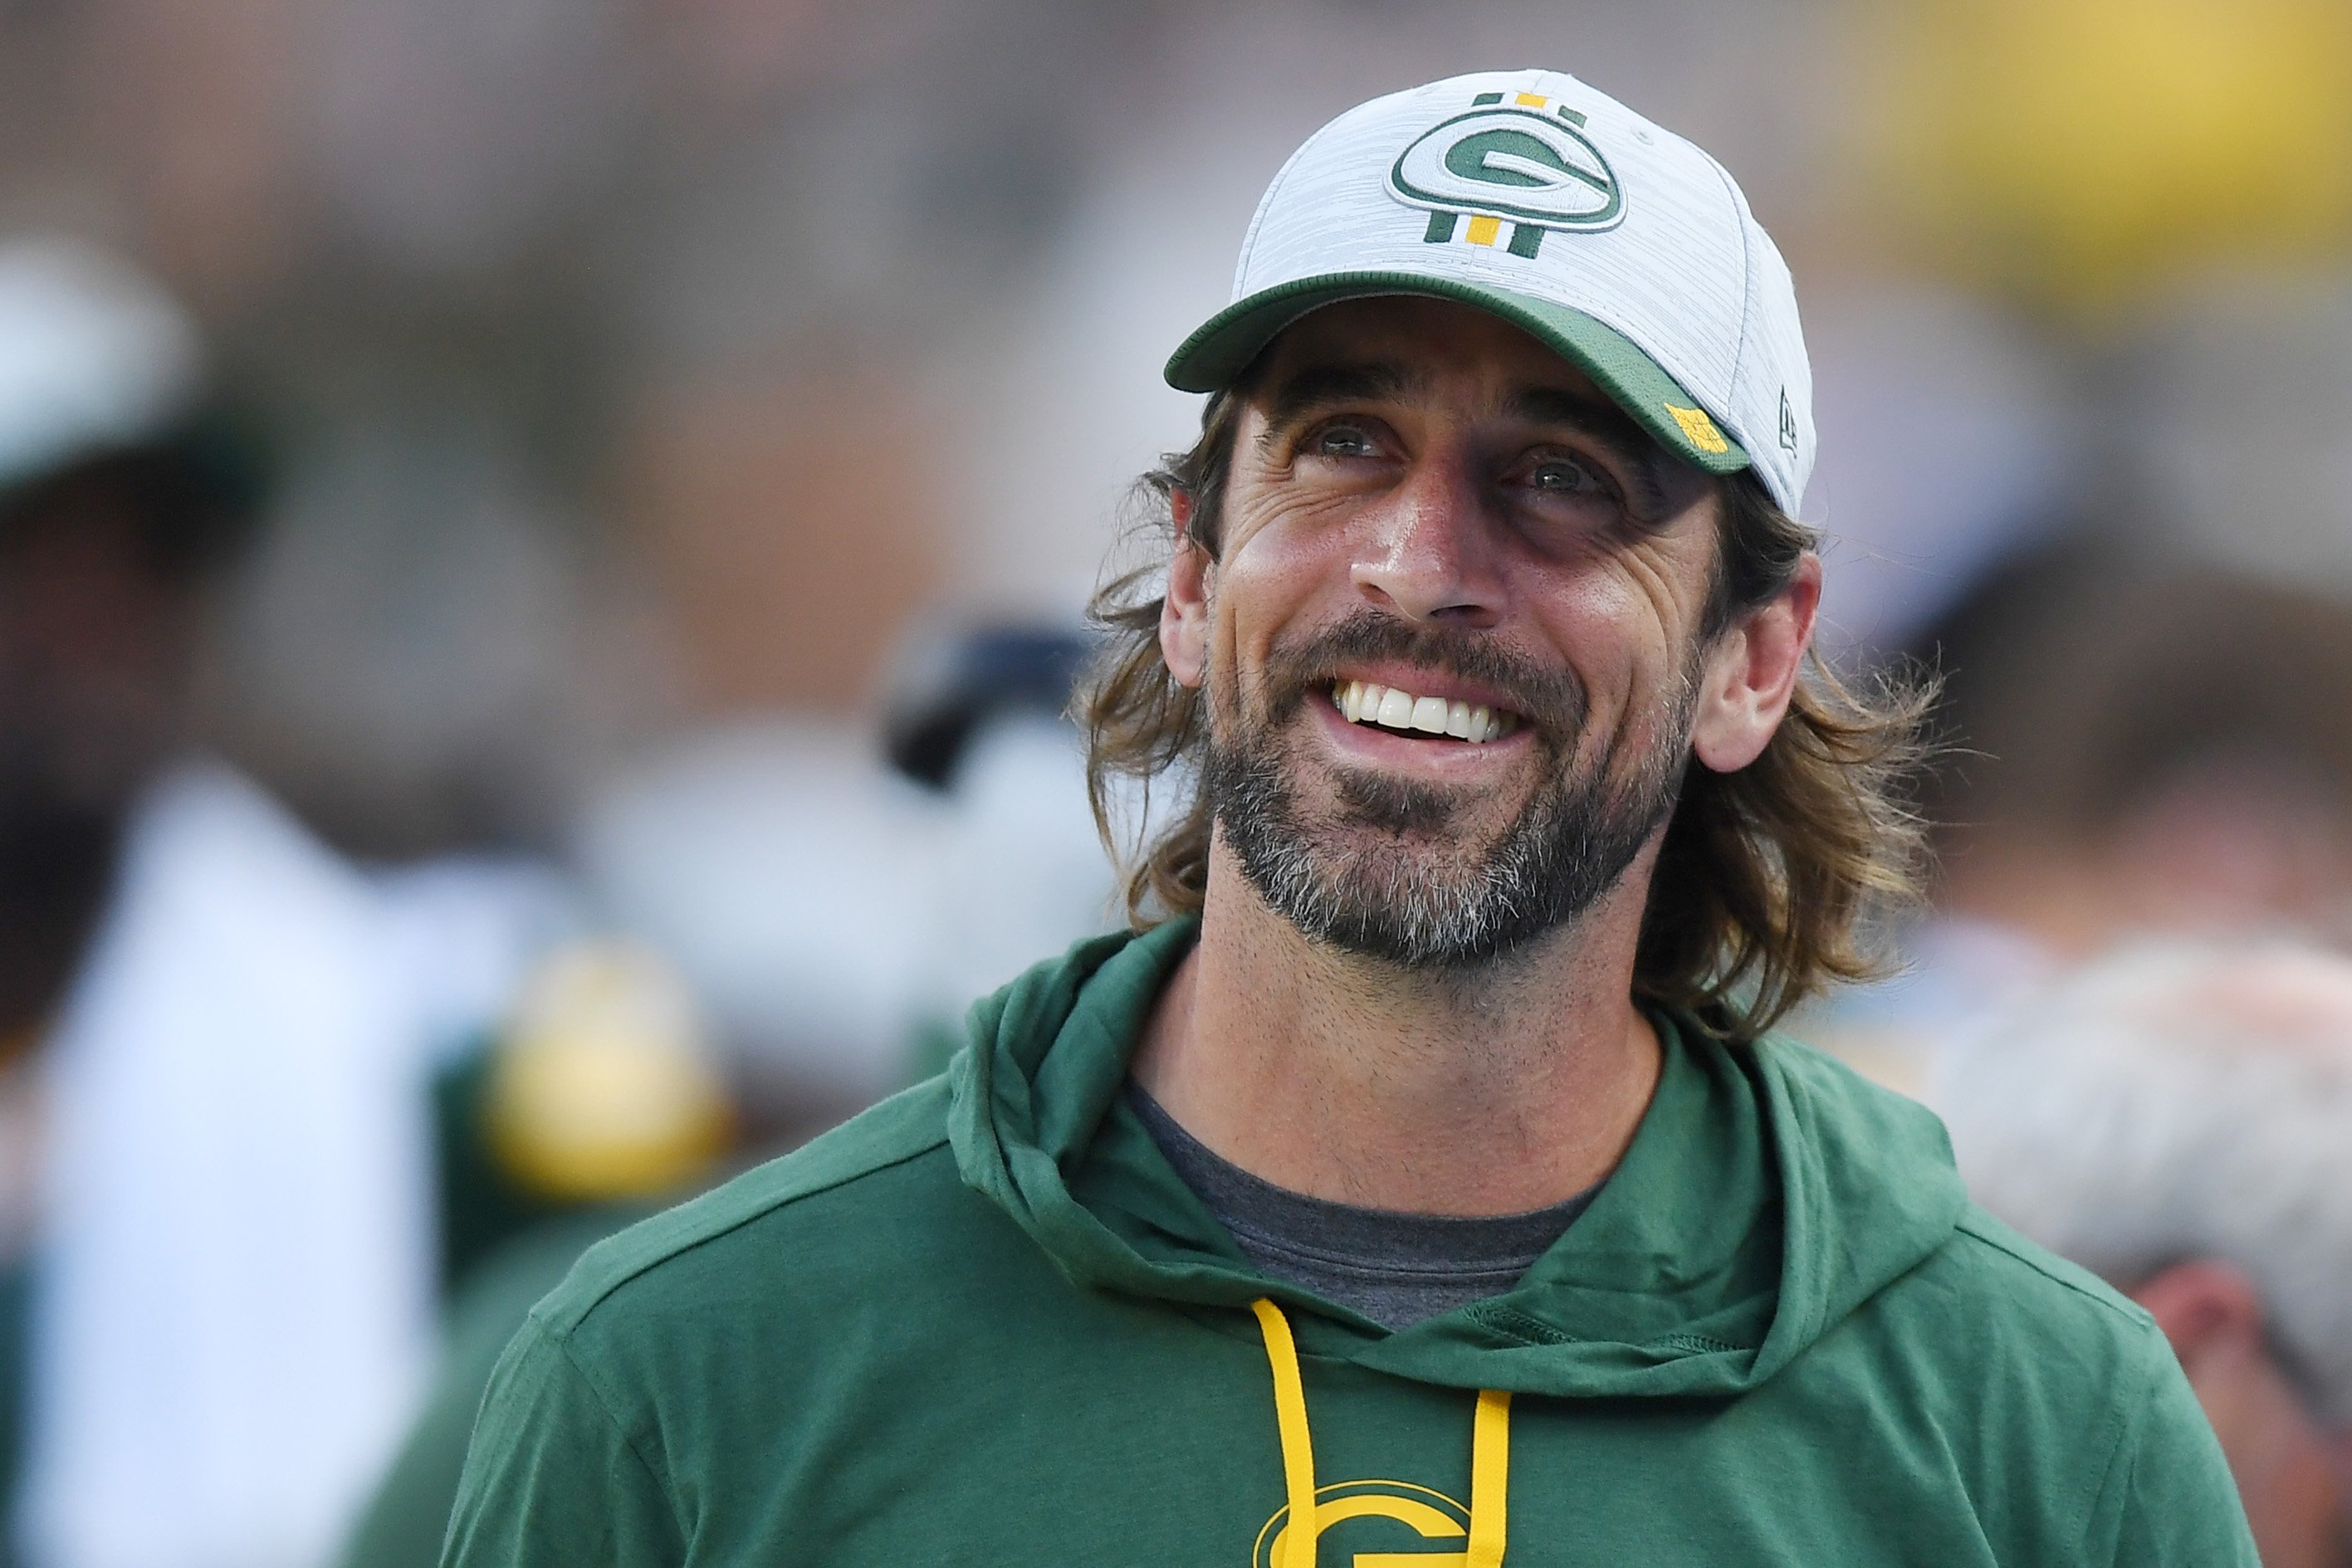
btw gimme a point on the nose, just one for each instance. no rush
(1428, 551)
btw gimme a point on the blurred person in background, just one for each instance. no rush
(2137, 746)
(2145, 745)
(250, 1123)
(2176, 1118)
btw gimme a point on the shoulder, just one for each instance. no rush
(882, 1168)
(1884, 1152)
(1959, 1288)
(2055, 1394)
(2033, 1273)
(2047, 1312)
(2094, 1372)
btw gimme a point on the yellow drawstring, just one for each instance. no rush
(1490, 1478)
(1290, 1420)
(1490, 1455)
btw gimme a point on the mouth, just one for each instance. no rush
(1404, 712)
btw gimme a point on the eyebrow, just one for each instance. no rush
(1318, 386)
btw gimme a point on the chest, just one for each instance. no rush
(1169, 1457)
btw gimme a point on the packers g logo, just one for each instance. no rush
(1527, 163)
(1402, 1526)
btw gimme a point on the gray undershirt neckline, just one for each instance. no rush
(1397, 1269)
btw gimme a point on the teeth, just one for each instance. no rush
(1362, 702)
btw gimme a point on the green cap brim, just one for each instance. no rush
(1223, 347)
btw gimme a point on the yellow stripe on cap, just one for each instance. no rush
(1699, 428)
(1482, 231)
(1531, 100)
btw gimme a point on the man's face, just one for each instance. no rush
(1425, 501)
(95, 655)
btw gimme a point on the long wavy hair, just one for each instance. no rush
(1767, 875)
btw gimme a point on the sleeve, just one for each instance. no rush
(2168, 1500)
(551, 1477)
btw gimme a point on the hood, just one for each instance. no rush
(1768, 1193)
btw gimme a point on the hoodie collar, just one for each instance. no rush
(1766, 1194)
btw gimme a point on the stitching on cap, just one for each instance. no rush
(1266, 205)
(1746, 265)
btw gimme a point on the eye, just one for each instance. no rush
(1568, 476)
(1339, 439)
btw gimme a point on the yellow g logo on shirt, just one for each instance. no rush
(1386, 1524)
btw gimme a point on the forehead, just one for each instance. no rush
(1434, 340)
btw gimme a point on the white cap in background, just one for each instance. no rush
(92, 355)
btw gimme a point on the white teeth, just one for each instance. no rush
(1362, 702)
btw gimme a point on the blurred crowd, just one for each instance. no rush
(542, 551)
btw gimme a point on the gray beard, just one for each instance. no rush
(1356, 881)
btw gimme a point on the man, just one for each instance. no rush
(1417, 1190)
(2138, 753)
(216, 1262)
(2173, 1115)
(218, 1157)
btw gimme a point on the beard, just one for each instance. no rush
(1390, 869)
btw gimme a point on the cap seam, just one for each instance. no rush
(1747, 283)
(1257, 218)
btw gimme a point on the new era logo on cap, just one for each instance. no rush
(1622, 245)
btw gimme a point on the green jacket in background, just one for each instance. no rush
(985, 1324)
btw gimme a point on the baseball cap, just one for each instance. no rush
(1621, 246)
(93, 355)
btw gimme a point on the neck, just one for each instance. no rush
(1495, 1091)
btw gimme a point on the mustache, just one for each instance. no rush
(1551, 700)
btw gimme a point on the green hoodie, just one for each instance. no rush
(985, 1324)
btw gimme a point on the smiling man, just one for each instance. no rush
(1418, 1188)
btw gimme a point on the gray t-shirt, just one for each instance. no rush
(1396, 1269)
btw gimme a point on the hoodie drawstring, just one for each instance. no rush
(1490, 1455)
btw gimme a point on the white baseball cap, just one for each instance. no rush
(1621, 246)
(93, 354)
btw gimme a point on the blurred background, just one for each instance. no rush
(650, 459)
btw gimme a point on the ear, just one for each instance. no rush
(1751, 673)
(1185, 612)
(2205, 1307)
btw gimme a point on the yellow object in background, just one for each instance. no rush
(602, 1087)
(2079, 152)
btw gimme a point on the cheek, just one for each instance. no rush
(1611, 629)
(1272, 576)
(1629, 650)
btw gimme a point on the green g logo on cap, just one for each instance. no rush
(1527, 163)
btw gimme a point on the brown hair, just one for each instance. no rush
(1766, 874)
